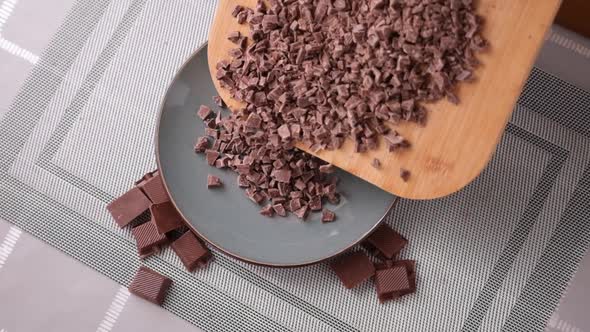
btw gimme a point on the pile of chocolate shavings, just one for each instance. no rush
(272, 172)
(344, 68)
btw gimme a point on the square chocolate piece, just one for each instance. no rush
(150, 285)
(353, 269)
(410, 266)
(128, 207)
(191, 251)
(153, 187)
(385, 242)
(148, 239)
(392, 283)
(166, 217)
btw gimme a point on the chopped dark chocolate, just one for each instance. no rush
(327, 169)
(344, 68)
(129, 206)
(404, 174)
(213, 181)
(302, 212)
(280, 210)
(166, 217)
(267, 211)
(202, 144)
(149, 241)
(385, 242)
(212, 156)
(204, 112)
(150, 285)
(376, 163)
(353, 269)
(328, 216)
(219, 102)
(191, 251)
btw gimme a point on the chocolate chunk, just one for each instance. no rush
(392, 282)
(327, 169)
(385, 242)
(129, 206)
(316, 203)
(212, 156)
(148, 239)
(353, 269)
(150, 285)
(166, 217)
(280, 210)
(191, 251)
(282, 175)
(213, 181)
(204, 112)
(328, 216)
(202, 144)
(302, 212)
(153, 187)
(219, 102)
(267, 211)
(234, 36)
(404, 174)
(376, 163)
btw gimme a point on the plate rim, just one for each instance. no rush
(204, 238)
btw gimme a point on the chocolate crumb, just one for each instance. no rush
(376, 163)
(404, 174)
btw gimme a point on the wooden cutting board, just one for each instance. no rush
(458, 140)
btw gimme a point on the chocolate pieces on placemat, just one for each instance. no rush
(384, 242)
(128, 207)
(148, 239)
(151, 184)
(393, 279)
(191, 251)
(165, 217)
(353, 269)
(150, 285)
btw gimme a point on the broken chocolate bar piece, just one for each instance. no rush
(213, 181)
(129, 206)
(410, 266)
(150, 285)
(328, 216)
(392, 283)
(166, 217)
(148, 239)
(191, 251)
(153, 187)
(404, 174)
(385, 242)
(353, 269)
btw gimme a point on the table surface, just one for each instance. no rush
(59, 287)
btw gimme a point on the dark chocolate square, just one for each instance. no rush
(385, 242)
(150, 285)
(191, 251)
(128, 207)
(148, 239)
(353, 269)
(166, 217)
(392, 282)
(153, 187)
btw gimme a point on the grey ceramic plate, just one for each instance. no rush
(226, 218)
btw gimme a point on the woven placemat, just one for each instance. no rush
(498, 254)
